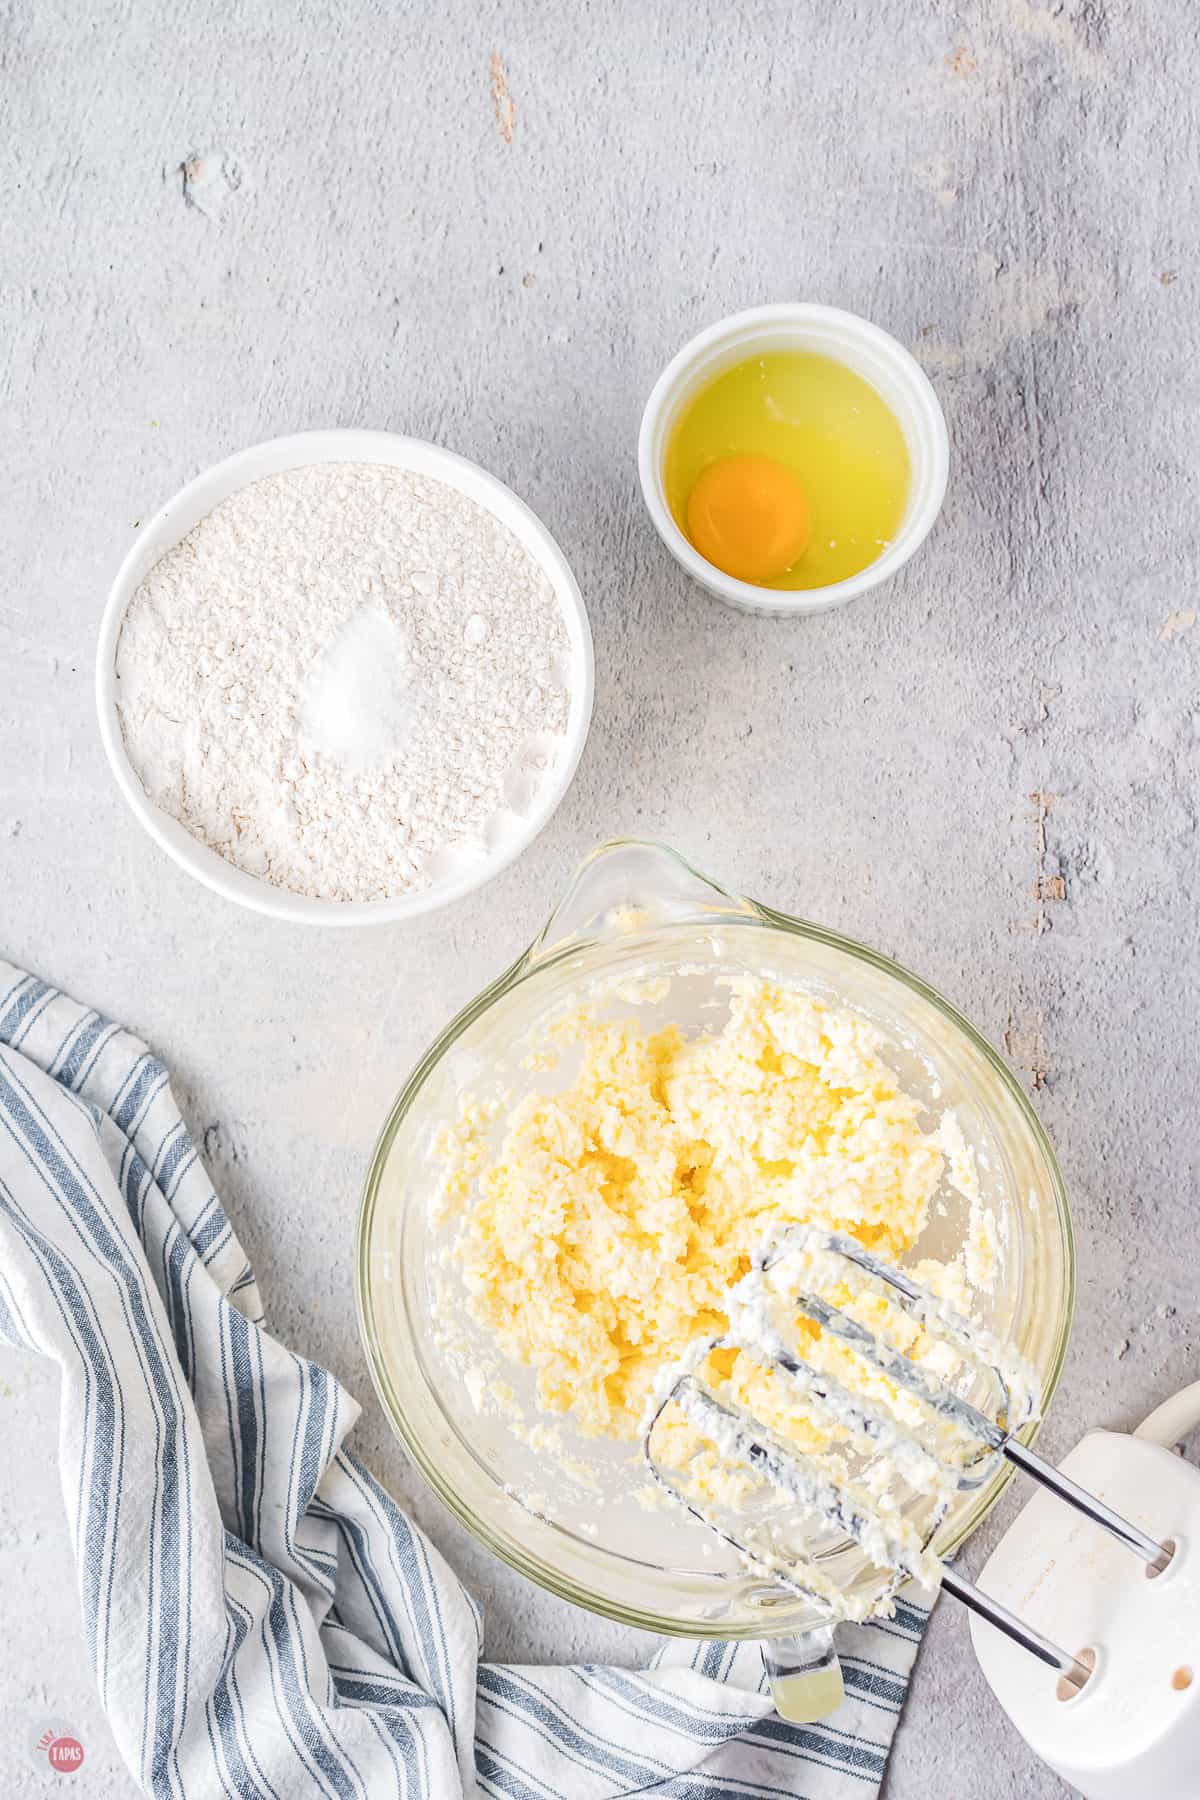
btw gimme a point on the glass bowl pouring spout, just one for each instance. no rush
(628, 887)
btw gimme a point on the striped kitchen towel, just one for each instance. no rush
(261, 1616)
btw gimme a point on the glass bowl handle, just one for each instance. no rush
(805, 1675)
(630, 886)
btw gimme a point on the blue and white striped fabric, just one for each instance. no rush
(262, 1618)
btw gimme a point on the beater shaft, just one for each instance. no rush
(1027, 1636)
(1155, 1556)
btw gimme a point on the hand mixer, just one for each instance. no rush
(1059, 1718)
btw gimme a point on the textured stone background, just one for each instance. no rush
(490, 225)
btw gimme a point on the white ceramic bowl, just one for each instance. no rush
(867, 350)
(184, 512)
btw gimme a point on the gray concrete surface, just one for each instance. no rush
(490, 224)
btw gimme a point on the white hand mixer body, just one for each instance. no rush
(1133, 1731)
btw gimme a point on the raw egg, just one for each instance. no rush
(788, 470)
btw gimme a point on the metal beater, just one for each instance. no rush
(742, 1440)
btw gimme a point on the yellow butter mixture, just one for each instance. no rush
(604, 1233)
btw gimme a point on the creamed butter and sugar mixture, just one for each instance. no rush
(603, 1235)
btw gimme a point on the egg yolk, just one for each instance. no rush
(748, 516)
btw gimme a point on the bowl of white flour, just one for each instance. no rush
(344, 677)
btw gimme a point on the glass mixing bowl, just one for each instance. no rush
(570, 1517)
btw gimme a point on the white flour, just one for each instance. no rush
(345, 679)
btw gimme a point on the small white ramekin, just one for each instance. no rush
(184, 512)
(863, 347)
